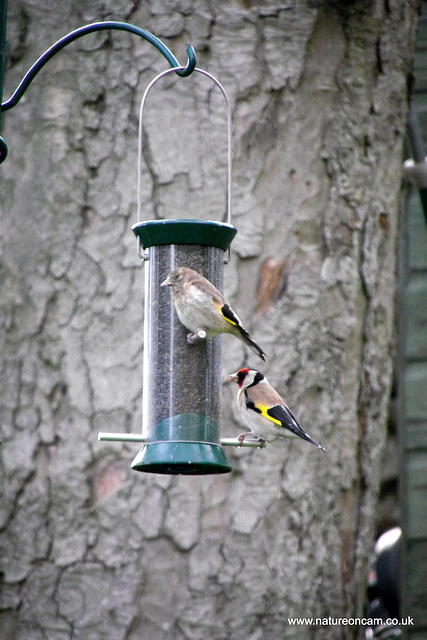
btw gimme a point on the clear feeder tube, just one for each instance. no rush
(179, 379)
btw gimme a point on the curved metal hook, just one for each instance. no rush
(142, 255)
(90, 28)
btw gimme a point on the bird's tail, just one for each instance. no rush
(281, 414)
(245, 337)
(295, 427)
(305, 436)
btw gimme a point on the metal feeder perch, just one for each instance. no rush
(181, 383)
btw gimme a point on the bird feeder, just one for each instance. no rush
(181, 382)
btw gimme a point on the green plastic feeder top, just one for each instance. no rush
(203, 232)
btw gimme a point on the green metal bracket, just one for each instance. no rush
(63, 42)
(3, 19)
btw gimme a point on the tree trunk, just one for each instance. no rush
(319, 92)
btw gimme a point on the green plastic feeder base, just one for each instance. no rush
(186, 458)
(186, 444)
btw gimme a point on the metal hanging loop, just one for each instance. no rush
(144, 255)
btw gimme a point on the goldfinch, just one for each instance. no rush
(263, 410)
(203, 309)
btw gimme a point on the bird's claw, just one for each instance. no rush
(241, 438)
(261, 442)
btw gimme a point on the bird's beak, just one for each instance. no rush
(166, 283)
(233, 377)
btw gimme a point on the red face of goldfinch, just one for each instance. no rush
(245, 378)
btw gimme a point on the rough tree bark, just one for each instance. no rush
(89, 549)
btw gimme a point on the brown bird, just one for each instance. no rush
(203, 309)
